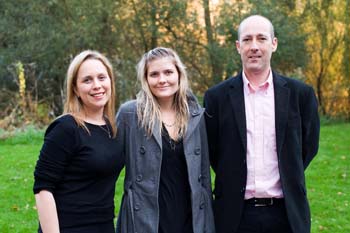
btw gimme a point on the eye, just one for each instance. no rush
(245, 39)
(102, 77)
(87, 80)
(168, 72)
(153, 74)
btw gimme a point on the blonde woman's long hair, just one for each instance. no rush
(73, 105)
(148, 109)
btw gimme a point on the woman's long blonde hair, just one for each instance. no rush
(73, 105)
(148, 109)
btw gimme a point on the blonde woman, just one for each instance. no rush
(167, 183)
(80, 159)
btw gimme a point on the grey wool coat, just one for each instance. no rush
(139, 212)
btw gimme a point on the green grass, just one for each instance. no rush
(327, 181)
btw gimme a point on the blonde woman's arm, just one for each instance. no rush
(46, 206)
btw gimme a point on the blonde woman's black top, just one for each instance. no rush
(80, 170)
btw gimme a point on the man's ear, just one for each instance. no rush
(238, 46)
(274, 44)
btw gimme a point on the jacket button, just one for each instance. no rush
(139, 178)
(137, 207)
(142, 150)
(201, 206)
(197, 151)
(199, 178)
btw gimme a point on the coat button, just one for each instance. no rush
(199, 178)
(197, 151)
(137, 207)
(142, 150)
(201, 206)
(139, 178)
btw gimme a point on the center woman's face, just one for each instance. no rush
(163, 78)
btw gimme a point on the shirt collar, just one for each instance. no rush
(265, 86)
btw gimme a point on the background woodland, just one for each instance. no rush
(38, 39)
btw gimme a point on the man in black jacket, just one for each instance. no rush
(263, 131)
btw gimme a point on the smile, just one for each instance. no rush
(98, 94)
(254, 57)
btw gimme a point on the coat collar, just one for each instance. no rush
(195, 115)
(282, 94)
(236, 97)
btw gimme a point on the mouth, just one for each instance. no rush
(162, 87)
(99, 94)
(254, 57)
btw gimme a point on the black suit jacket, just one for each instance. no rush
(297, 137)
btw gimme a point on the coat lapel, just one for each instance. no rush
(281, 109)
(156, 134)
(237, 103)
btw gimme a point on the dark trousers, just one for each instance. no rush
(107, 227)
(264, 219)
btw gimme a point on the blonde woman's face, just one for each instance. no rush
(163, 78)
(93, 85)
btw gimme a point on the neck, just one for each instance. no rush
(94, 117)
(257, 78)
(166, 105)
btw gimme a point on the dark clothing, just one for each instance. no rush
(269, 218)
(107, 227)
(80, 170)
(175, 214)
(297, 136)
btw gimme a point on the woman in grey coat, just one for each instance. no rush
(167, 187)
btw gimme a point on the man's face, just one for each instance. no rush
(255, 45)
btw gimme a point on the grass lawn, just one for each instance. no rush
(327, 181)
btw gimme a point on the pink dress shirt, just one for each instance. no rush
(263, 178)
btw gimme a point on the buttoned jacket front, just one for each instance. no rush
(139, 212)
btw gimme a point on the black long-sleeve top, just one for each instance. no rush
(80, 170)
(175, 212)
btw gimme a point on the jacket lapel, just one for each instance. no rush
(194, 118)
(281, 109)
(156, 134)
(236, 96)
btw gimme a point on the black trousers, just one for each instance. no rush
(107, 227)
(264, 219)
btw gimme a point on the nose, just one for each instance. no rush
(96, 83)
(162, 78)
(254, 46)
